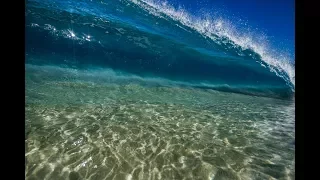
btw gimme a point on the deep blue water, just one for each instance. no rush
(151, 40)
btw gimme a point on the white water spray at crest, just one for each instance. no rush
(209, 27)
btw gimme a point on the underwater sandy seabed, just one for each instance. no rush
(81, 126)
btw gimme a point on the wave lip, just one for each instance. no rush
(212, 28)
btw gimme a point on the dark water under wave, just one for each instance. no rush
(123, 36)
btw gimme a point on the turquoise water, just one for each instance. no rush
(133, 89)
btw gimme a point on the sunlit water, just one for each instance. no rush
(80, 125)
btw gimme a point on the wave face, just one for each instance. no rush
(150, 39)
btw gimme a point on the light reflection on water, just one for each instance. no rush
(84, 130)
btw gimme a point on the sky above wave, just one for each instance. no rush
(275, 20)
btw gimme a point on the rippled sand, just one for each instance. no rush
(82, 129)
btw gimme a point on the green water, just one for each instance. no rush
(90, 126)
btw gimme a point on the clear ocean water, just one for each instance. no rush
(136, 89)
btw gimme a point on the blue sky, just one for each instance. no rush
(274, 18)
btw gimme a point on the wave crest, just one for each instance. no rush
(222, 32)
